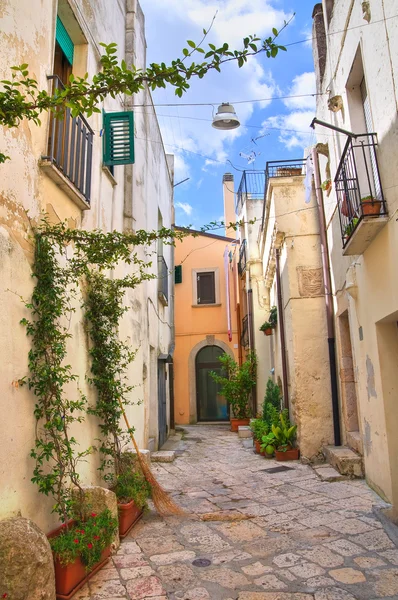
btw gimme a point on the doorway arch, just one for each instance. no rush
(210, 405)
(209, 342)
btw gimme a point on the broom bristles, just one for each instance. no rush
(161, 499)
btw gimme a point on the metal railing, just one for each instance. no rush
(163, 279)
(70, 145)
(357, 184)
(282, 168)
(242, 258)
(251, 187)
(244, 337)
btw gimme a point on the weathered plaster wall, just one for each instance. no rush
(194, 323)
(373, 302)
(295, 233)
(27, 34)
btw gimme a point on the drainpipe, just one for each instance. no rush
(328, 300)
(252, 343)
(281, 320)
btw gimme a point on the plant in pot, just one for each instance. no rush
(267, 445)
(327, 186)
(236, 385)
(285, 435)
(350, 227)
(269, 325)
(370, 206)
(132, 492)
(259, 429)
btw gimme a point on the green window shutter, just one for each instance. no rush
(178, 274)
(118, 138)
(63, 39)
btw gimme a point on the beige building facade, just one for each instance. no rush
(48, 173)
(355, 55)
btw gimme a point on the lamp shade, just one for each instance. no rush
(226, 117)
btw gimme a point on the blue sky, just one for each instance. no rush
(201, 151)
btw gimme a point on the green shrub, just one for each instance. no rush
(237, 383)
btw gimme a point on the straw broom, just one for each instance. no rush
(161, 499)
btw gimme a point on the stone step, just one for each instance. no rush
(328, 473)
(244, 431)
(345, 460)
(163, 456)
(354, 441)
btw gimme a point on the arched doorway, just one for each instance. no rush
(211, 406)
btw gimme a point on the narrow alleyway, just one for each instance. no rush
(294, 537)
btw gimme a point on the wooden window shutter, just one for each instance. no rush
(64, 40)
(118, 138)
(178, 274)
(206, 288)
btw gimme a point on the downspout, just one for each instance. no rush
(328, 299)
(281, 320)
(252, 343)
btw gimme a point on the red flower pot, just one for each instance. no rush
(267, 331)
(129, 514)
(257, 446)
(292, 454)
(371, 207)
(70, 578)
(235, 423)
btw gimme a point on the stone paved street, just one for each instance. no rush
(294, 537)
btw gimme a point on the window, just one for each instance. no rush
(206, 293)
(118, 138)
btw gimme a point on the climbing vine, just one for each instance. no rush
(65, 258)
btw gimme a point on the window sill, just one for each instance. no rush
(63, 182)
(163, 299)
(109, 175)
(363, 235)
(204, 305)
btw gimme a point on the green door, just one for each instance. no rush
(211, 406)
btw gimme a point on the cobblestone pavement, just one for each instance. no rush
(295, 537)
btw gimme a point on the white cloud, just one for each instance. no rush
(171, 24)
(307, 36)
(187, 208)
(301, 85)
(295, 128)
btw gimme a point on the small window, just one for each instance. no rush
(118, 138)
(178, 274)
(206, 291)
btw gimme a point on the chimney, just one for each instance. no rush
(319, 47)
(229, 203)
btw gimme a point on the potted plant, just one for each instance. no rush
(259, 429)
(80, 548)
(349, 229)
(268, 443)
(132, 492)
(370, 206)
(237, 382)
(285, 435)
(269, 325)
(327, 186)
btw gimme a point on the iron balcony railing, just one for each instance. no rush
(282, 168)
(70, 145)
(357, 184)
(163, 279)
(251, 187)
(244, 337)
(242, 258)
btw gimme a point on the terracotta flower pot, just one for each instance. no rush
(70, 578)
(235, 423)
(267, 331)
(292, 454)
(129, 514)
(371, 207)
(257, 447)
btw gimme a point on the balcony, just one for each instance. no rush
(361, 204)
(295, 167)
(244, 337)
(70, 153)
(251, 187)
(242, 258)
(163, 281)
